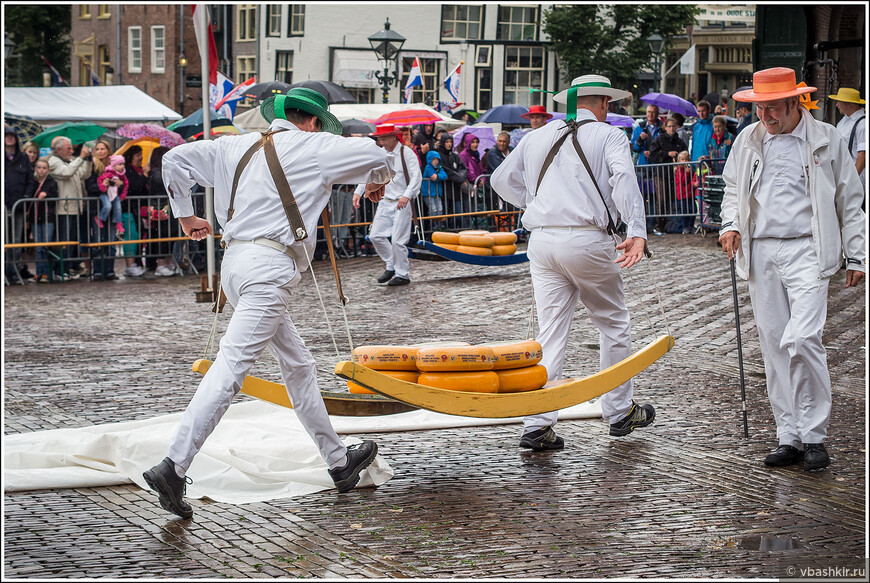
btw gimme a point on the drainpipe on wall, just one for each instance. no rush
(180, 54)
(118, 44)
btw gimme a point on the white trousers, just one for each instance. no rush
(790, 304)
(567, 265)
(395, 224)
(257, 282)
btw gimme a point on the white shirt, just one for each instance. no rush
(859, 144)
(397, 188)
(567, 197)
(781, 205)
(312, 162)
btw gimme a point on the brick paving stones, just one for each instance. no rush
(685, 497)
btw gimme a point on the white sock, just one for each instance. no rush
(179, 471)
(340, 464)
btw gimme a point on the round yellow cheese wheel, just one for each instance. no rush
(516, 354)
(447, 246)
(403, 375)
(478, 233)
(474, 250)
(386, 357)
(503, 238)
(454, 358)
(476, 241)
(472, 382)
(517, 380)
(504, 249)
(445, 237)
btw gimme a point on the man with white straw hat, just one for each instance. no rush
(853, 126)
(791, 211)
(258, 195)
(570, 193)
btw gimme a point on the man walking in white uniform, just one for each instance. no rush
(393, 215)
(853, 127)
(791, 210)
(571, 253)
(262, 263)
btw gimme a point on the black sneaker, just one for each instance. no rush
(784, 455)
(386, 276)
(171, 489)
(359, 457)
(399, 280)
(542, 440)
(637, 417)
(815, 457)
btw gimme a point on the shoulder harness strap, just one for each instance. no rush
(854, 130)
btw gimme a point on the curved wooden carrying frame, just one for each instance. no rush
(342, 404)
(489, 260)
(554, 396)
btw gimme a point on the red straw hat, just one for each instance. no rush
(772, 84)
(385, 130)
(537, 110)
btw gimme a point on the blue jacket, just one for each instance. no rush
(701, 132)
(638, 145)
(432, 187)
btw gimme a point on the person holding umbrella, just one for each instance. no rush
(791, 211)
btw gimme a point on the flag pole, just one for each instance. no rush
(202, 15)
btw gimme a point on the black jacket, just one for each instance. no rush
(664, 143)
(138, 187)
(18, 182)
(450, 161)
(44, 210)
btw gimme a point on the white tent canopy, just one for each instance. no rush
(105, 104)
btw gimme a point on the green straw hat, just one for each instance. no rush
(303, 99)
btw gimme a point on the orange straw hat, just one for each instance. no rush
(772, 84)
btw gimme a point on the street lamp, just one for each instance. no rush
(387, 44)
(656, 44)
(8, 46)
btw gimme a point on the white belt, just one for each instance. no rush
(267, 243)
(572, 228)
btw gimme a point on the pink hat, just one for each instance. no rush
(113, 160)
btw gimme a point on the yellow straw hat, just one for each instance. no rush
(848, 95)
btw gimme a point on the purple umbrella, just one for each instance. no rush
(670, 102)
(482, 133)
(624, 121)
(135, 131)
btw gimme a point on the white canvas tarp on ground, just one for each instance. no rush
(101, 105)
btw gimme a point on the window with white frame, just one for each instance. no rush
(158, 49)
(296, 20)
(134, 49)
(246, 67)
(517, 23)
(484, 88)
(461, 22)
(273, 20)
(247, 22)
(523, 70)
(428, 92)
(284, 66)
(362, 94)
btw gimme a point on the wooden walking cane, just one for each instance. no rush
(739, 350)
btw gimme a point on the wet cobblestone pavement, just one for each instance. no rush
(685, 497)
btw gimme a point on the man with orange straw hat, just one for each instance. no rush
(791, 211)
(393, 215)
(853, 126)
(538, 116)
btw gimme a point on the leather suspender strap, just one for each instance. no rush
(328, 232)
(404, 164)
(854, 130)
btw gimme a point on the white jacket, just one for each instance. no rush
(838, 225)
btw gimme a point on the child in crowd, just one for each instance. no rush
(41, 215)
(684, 191)
(113, 183)
(433, 177)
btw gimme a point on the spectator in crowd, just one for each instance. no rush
(438, 135)
(18, 184)
(538, 116)
(405, 135)
(426, 130)
(32, 151)
(70, 172)
(470, 157)
(701, 131)
(644, 133)
(493, 159)
(431, 190)
(719, 144)
(102, 258)
(41, 215)
(456, 189)
(422, 146)
(113, 189)
(156, 220)
(853, 127)
(664, 150)
(744, 116)
(138, 187)
(685, 192)
(682, 132)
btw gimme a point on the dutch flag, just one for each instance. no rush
(415, 77)
(452, 82)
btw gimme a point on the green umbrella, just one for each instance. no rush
(77, 132)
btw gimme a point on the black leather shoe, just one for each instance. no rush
(784, 455)
(171, 489)
(637, 417)
(359, 457)
(544, 439)
(386, 276)
(398, 280)
(815, 456)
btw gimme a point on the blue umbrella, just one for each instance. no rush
(670, 102)
(509, 114)
(192, 124)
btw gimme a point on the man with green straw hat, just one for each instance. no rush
(264, 256)
(853, 126)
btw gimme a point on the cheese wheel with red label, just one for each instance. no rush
(517, 380)
(386, 357)
(475, 241)
(472, 382)
(445, 237)
(403, 375)
(516, 354)
(503, 238)
(454, 358)
(486, 251)
(504, 249)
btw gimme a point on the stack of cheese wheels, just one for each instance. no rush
(477, 242)
(399, 362)
(516, 365)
